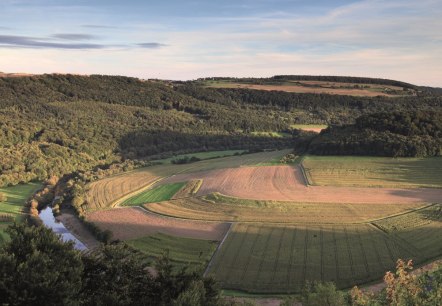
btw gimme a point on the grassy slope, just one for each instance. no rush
(157, 194)
(182, 251)
(16, 197)
(374, 171)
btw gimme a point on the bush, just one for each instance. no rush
(2, 197)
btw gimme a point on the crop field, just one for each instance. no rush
(157, 194)
(309, 127)
(287, 183)
(278, 259)
(216, 207)
(374, 171)
(317, 87)
(283, 231)
(11, 209)
(182, 251)
(103, 193)
(135, 222)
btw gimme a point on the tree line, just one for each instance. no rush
(395, 134)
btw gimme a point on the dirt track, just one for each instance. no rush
(134, 222)
(285, 183)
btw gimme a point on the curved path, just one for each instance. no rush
(286, 183)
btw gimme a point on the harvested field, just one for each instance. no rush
(299, 88)
(286, 183)
(190, 189)
(279, 259)
(310, 127)
(239, 210)
(134, 222)
(374, 171)
(103, 193)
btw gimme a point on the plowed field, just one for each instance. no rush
(130, 223)
(285, 183)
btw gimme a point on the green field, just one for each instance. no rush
(266, 258)
(272, 134)
(308, 126)
(374, 171)
(157, 194)
(201, 155)
(182, 251)
(12, 209)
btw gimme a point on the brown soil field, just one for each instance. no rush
(286, 183)
(304, 89)
(135, 222)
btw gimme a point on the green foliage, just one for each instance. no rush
(36, 268)
(157, 194)
(410, 134)
(319, 294)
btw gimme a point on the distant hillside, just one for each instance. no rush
(412, 134)
(58, 124)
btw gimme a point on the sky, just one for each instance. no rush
(189, 39)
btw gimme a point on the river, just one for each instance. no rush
(49, 221)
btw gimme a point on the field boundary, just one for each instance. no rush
(307, 181)
(209, 265)
(133, 193)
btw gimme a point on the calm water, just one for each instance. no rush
(48, 219)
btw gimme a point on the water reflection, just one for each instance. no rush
(48, 219)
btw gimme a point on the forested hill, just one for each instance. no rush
(411, 134)
(58, 124)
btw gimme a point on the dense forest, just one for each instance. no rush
(58, 124)
(411, 134)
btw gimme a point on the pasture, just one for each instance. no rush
(195, 253)
(157, 194)
(12, 209)
(279, 259)
(309, 127)
(374, 171)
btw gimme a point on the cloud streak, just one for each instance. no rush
(151, 45)
(74, 36)
(31, 42)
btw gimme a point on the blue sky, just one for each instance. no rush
(398, 39)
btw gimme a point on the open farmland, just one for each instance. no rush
(286, 183)
(135, 222)
(309, 127)
(318, 87)
(374, 171)
(277, 259)
(105, 192)
(283, 231)
(221, 208)
(157, 194)
(182, 251)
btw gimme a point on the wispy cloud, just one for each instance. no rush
(74, 36)
(33, 42)
(98, 26)
(151, 45)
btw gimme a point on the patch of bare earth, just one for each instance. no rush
(135, 222)
(286, 183)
